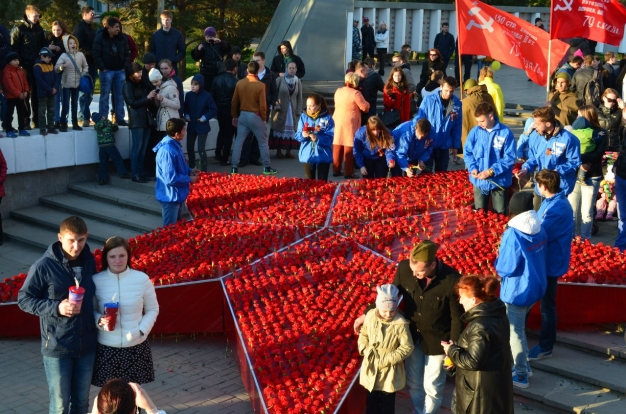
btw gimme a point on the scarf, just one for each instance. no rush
(287, 59)
(290, 80)
(314, 115)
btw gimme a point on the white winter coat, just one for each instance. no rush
(138, 306)
(169, 106)
(382, 39)
(70, 78)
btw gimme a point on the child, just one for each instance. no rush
(588, 140)
(43, 71)
(607, 202)
(73, 65)
(199, 108)
(16, 92)
(384, 342)
(107, 149)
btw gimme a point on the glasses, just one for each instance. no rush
(432, 54)
(611, 100)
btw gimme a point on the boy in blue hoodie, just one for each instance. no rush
(173, 176)
(557, 219)
(413, 146)
(199, 109)
(521, 264)
(44, 74)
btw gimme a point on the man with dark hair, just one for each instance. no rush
(367, 38)
(85, 32)
(149, 62)
(284, 57)
(167, 42)
(489, 158)
(444, 43)
(242, 68)
(571, 67)
(557, 219)
(27, 39)
(539, 23)
(402, 61)
(583, 76)
(60, 290)
(371, 83)
(112, 57)
(413, 145)
(443, 110)
(222, 91)
(173, 176)
(249, 111)
(609, 61)
(356, 41)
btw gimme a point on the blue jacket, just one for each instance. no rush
(408, 147)
(361, 149)
(199, 105)
(172, 173)
(47, 285)
(447, 123)
(523, 141)
(560, 153)
(496, 150)
(557, 219)
(320, 151)
(521, 262)
(46, 77)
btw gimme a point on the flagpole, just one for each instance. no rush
(458, 50)
(548, 71)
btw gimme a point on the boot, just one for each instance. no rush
(43, 132)
(63, 127)
(600, 215)
(609, 216)
(279, 154)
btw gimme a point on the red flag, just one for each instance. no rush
(489, 31)
(599, 20)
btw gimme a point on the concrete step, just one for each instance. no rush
(147, 188)
(35, 235)
(139, 221)
(44, 217)
(602, 341)
(120, 196)
(17, 257)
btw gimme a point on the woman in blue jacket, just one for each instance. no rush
(199, 109)
(315, 134)
(373, 149)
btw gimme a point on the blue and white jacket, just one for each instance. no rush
(320, 151)
(408, 147)
(447, 123)
(557, 219)
(172, 173)
(362, 149)
(523, 141)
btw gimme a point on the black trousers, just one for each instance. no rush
(380, 402)
(225, 135)
(149, 161)
(22, 113)
(317, 171)
(46, 110)
(369, 50)
(466, 60)
(375, 168)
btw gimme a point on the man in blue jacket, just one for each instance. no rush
(413, 145)
(521, 264)
(558, 221)
(443, 110)
(68, 330)
(489, 157)
(173, 176)
(167, 42)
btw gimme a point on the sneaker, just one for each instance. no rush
(529, 372)
(75, 127)
(538, 353)
(234, 170)
(122, 123)
(43, 132)
(53, 131)
(269, 171)
(520, 381)
(63, 128)
(11, 134)
(24, 133)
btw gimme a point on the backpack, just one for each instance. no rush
(593, 90)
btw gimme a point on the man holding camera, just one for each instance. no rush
(211, 53)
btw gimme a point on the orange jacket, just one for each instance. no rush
(14, 82)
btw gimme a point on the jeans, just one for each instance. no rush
(498, 200)
(112, 81)
(425, 379)
(45, 116)
(251, 122)
(317, 171)
(225, 135)
(620, 188)
(69, 380)
(70, 94)
(172, 212)
(519, 345)
(583, 200)
(113, 153)
(380, 402)
(58, 99)
(547, 337)
(441, 158)
(191, 141)
(138, 145)
(84, 99)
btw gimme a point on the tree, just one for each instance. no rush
(66, 10)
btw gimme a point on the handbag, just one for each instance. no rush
(390, 117)
(85, 84)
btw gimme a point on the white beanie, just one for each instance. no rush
(387, 299)
(155, 75)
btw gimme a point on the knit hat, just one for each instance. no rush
(355, 21)
(581, 123)
(11, 56)
(521, 202)
(564, 75)
(95, 117)
(538, 19)
(470, 83)
(366, 19)
(235, 49)
(44, 51)
(148, 58)
(210, 31)
(387, 298)
(155, 75)
(425, 251)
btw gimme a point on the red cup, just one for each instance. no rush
(110, 313)
(76, 296)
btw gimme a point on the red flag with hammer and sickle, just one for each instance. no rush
(599, 20)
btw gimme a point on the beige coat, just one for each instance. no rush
(384, 345)
(349, 103)
(70, 78)
(169, 106)
(280, 109)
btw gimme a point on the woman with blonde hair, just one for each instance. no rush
(396, 96)
(349, 103)
(485, 77)
(373, 146)
(382, 44)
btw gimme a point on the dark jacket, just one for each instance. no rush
(168, 45)
(610, 119)
(222, 91)
(434, 313)
(278, 63)
(47, 285)
(27, 40)
(45, 76)
(145, 79)
(57, 41)
(482, 359)
(86, 34)
(211, 57)
(428, 67)
(5, 45)
(199, 105)
(369, 87)
(136, 98)
(580, 79)
(242, 70)
(367, 36)
(271, 89)
(444, 43)
(111, 53)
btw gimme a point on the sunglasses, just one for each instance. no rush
(611, 100)
(432, 54)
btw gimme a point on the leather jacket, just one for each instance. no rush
(222, 90)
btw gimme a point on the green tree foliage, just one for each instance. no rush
(66, 10)
(12, 11)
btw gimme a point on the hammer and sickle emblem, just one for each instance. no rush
(475, 11)
(567, 7)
